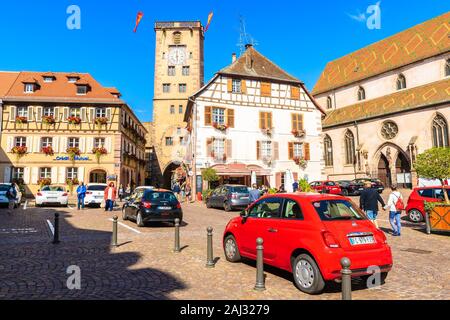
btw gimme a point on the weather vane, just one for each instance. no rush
(244, 37)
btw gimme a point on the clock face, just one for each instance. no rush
(177, 56)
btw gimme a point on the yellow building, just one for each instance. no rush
(61, 128)
(179, 64)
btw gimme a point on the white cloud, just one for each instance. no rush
(360, 17)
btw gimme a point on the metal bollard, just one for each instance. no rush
(346, 279)
(114, 235)
(177, 236)
(260, 281)
(56, 234)
(427, 221)
(209, 249)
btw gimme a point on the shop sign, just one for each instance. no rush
(77, 158)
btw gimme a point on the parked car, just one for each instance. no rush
(52, 195)
(95, 194)
(349, 188)
(229, 197)
(308, 234)
(328, 186)
(415, 207)
(4, 187)
(152, 205)
(376, 184)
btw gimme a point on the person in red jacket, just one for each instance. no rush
(110, 197)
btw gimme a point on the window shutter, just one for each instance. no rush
(278, 179)
(34, 175)
(82, 144)
(57, 114)
(54, 174)
(30, 113)
(90, 145)
(62, 175)
(80, 175)
(230, 118)
(230, 85)
(108, 145)
(26, 175)
(12, 113)
(243, 86)
(109, 114)
(38, 114)
(208, 116)
(83, 114)
(306, 152)
(276, 151)
(91, 115)
(10, 144)
(229, 148)
(295, 93)
(266, 89)
(293, 122)
(209, 149)
(300, 121)
(269, 121)
(66, 114)
(7, 174)
(30, 144)
(37, 144)
(63, 144)
(261, 120)
(55, 144)
(291, 150)
(258, 150)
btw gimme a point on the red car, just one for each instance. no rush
(330, 187)
(308, 234)
(416, 202)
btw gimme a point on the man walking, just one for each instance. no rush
(295, 186)
(81, 194)
(255, 194)
(368, 201)
(110, 197)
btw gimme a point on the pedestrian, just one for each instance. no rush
(128, 190)
(81, 194)
(188, 191)
(121, 191)
(395, 205)
(368, 202)
(176, 189)
(11, 195)
(110, 197)
(255, 194)
(295, 186)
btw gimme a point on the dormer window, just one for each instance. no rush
(361, 94)
(29, 87)
(48, 79)
(82, 89)
(73, 79)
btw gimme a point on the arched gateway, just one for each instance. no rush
(392, 165)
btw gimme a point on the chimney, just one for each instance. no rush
(233, 57)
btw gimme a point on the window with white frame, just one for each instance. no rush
(75, 112)
(219, 147)
(401, 82)
(22, 112)
(82, 90)
(73, 142)
(72, 173)
(266, 149)
(298, 150)
(48, 111)
(48, 79)
(218, 115)
(100, 112)
(73, 79)
(99, 142)
(20, 142)
(29, 87)
(45, 173)
(236, 86)
(18, 173)
(46, 142)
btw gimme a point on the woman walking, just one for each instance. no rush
(110, 197)
(395, 206)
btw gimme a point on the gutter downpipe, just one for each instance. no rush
(194, 148)
(357, 141)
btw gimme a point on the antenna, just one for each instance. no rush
(244, 37)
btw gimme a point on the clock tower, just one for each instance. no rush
(179, 72)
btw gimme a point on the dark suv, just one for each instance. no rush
(152, 205)
(229, 197)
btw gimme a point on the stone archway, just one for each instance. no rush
(174, 172)
(391, 165)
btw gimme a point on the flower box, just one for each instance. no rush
(298, 133)
(300, 162)
(220, 127)
(44, 182)
(267, 131)
(74, 120)
(48, 120)
(20, 151)
(99, 152)
(21, 120)
(48, 151)
(267, 160)
(101, 121)
(73, 152)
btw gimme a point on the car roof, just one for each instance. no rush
(97, 184)
(309, 196)
(432, 187)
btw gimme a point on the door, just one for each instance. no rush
(213, 198)
(262, 221)
(135, 203)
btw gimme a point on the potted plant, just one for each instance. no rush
(48, 120)
(71, 183)
(48, 151)
(298, 133)
(21, 120)
(73, 152)
(74, 120)
(300, 161)
(267, 160)
(101, 121)
(267, 131)
(220, 127)
(44, 182)
(99, 152)
(19, 151)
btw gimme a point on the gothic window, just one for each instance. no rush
(389, 130)
(328, 146)
(329, 103)
(440, 132)
(349, 147)
(401, 82)
(361, 94)
(447, 68)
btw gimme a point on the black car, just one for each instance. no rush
(349, 188)
(376, 184)
(152, 205)
(229, 197)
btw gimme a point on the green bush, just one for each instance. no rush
(304, 186)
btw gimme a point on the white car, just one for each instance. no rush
(95, 194)
(4, 187)
(52, 195)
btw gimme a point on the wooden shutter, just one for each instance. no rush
(261, 120)
(229, 149)
(30, 113)
(83, 114)
(230, 85)
(34, 175)
(297, 121)
(108, 144)
(12, 113)
(300, 121)
(291, 150)
(258, 150)
(10, 144)
(295, 93)
(65, 114)
(62, 175)
(57, 114)
(243, 86)
(269, 120)
(306, 152)
(209, 148)
(38, 114)
(30, 144)
(230, 118)
(109, 114)
(37, 144)
(276, 150)
(278, 179)
(26, 175)
(55, 144)
(208, 116)
(82, 144)
(54, 174)
(91, 115)
(266, 89)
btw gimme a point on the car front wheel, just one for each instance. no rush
(124, 215)
(307, 276)
(415, 215)
(231, 249)
(208, 204)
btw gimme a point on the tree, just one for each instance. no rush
(210, 175)
(434, 164)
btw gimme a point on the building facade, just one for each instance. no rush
(179, 65)
(60, 128)
(254, 119)
(386, 103)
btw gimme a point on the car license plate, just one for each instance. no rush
(361, 240)
(99, 197)
(165, 208)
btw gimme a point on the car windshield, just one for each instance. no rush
(337, 210)
(96, 188)
(239, 189)
(50, 188)
(158, 196)
(4, 187)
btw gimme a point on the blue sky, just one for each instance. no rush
(300, 36)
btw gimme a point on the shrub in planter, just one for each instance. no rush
(48, 120)
(19, 151)
(101, 121)
(73, 152)
(48, 151)
(73, 120)
(21, 120)
(44, 182)
(221, 127)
